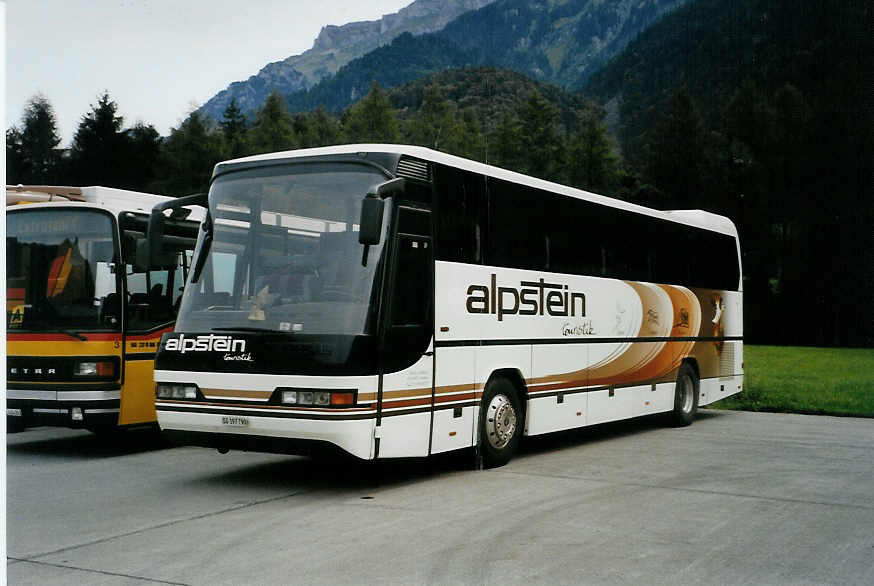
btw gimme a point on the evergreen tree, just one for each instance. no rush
(143, 146)
(505, 146)
(592, 165)
(34, 158)
(372, 119)
(540, 138)
(434, 125)
(188, 157)
(98, 149)
(273, 130)
(675, 160)
(15, 161)
(234, 130)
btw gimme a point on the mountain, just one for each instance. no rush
(334, 47)
(558, 41)
(550, 41)
(490, 93)
(824, 48)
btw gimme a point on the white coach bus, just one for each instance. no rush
(393, 301)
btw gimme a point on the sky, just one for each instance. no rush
(158, 59)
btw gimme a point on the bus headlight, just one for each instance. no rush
(95, 369)
(317, 398)
(175, 391)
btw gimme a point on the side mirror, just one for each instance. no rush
(110, 311)
(370, 230)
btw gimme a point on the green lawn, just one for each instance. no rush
(826, 381)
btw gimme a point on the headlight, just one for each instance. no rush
(99, 368)
(317, 398)
(175, 391)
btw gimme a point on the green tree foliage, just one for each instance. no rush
(188, 157)
(274, 127)
(142, 145)
(675, 160)
(439, 125)
(98, 149)
(234, 131)
(317, 129)
(372, 119)
(592, 165)
(31, 153)
(542, 141)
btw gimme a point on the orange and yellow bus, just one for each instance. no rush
(83, 316)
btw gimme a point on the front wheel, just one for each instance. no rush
(15, 424)
(685, 396)
(500, 424)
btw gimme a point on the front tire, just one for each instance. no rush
(501, 421)
(15, 424)
(685, 396)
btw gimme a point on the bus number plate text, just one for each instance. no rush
(235, 421)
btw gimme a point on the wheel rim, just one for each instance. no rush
(500, 422)
(687, 397)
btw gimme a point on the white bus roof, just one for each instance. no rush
(699, 218)
(116, 200)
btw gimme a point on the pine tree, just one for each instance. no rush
(234, 130)
(33, 149)
(273, 130)
(98, 149)
(372, 119)
(188, 157)
(540, 138)
(675, 162)
(592, 165)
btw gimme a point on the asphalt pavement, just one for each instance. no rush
(736, 498)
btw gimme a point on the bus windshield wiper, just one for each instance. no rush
(247, 329)
(73, 334)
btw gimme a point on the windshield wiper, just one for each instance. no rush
(247, 329)
(73, 334)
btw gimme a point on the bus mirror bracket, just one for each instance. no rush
(150, 252)
(370, 225)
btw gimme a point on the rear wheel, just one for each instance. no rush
(500, 422)
(685, 396)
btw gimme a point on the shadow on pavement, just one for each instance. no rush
(68, 443)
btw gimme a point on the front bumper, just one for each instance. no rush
(64, 408)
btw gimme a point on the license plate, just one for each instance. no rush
(13, 412)
(234, 421)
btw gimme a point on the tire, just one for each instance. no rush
(15, 424)
(500, 423)
(685, 396)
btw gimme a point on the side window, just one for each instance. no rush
(460, 212)
(152, 296)
(412, 290)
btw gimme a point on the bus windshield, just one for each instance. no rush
(282, 254)
(59, 270)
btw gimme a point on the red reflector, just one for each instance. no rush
(105, 369)
(342, 398)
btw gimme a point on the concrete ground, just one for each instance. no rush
(737, 498)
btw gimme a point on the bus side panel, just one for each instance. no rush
(720, 361)
(456, 399)
(138, 393)
(405, 429)
(557, 402)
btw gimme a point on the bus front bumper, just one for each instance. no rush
(63, 408)
(283, 432)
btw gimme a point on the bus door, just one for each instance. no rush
(406, 390)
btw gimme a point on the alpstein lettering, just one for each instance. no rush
(530, 298)
(205, 343)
